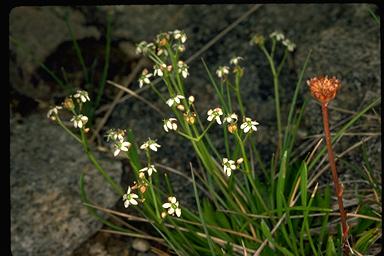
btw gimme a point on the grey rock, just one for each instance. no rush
(38, 31)
(47, 215)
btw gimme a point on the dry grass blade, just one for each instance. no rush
(134, 94)
(147, 237)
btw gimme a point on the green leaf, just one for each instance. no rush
(331, 250)
(281, 184)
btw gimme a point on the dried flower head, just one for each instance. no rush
(258, 40)
(190, 117)
(324, 89)
(68, 104)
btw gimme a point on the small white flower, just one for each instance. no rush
(249, 125)
(82, 96)
(172, 206)
(121, 146)
(53, 111)
(277, 35)
(144, 78)
(170, 124)
(182, 68)
(158, 69)
(150, 144)
(150, 168)
(215, 114)
(116, 134)
(229, 166)
(181, 48)
(143, 47)
(289, 44)
(171, 101)
(191, 99)
(235, 60)
(231, 118)
(222, 71)
(129, 198)
(79, 121)
(180, 35)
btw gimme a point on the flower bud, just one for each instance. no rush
(240, 161)
(190, 118)
(141, 175)
(163, 215)
(232, 128)
(143, 188)
(180, 107)
(68, 104)
(163, 41)
(191, 99)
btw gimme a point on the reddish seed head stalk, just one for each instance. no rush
(324, 89)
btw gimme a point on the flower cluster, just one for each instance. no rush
(165, 46)
(118, 136)
(79, 120)
(279, 37)
(230, 165)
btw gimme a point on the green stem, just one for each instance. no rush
(67, 130)
(277, 99)
(92, 158)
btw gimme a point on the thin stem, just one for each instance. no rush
(338, 186)
(277, 99)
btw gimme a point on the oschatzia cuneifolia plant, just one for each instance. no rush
(244, 206)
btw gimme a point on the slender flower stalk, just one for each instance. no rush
(324, 89)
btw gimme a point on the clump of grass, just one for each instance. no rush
(249, 207)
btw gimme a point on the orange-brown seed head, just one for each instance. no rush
(323, 89)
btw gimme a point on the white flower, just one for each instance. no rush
(116, 134)
(182, 68)
(231, 118)
(150, 144)
(172, 206)
(79, 121)
(129, 198)
(158, 69)
(277, 35)
(249, 125)
(53, 111)
(215, 114)
(82, 96)
(191, 99)
(174, 100)
(235, 60)
(143, 47)
(150, 168)
(180, 35)
(222, 71)
(144, 78)
(121, 146)
(229, 166)
(170, 124)
(289, 44)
